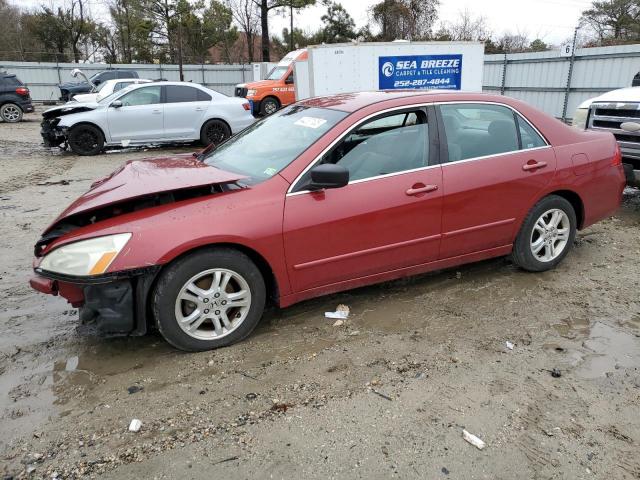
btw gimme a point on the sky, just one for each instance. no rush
(551, 20)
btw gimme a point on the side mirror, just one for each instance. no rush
(328, 175)
(97, 81)
(116, 104)
(289, 80)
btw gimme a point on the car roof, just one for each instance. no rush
(351, 102)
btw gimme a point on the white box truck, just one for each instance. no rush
(352, 67)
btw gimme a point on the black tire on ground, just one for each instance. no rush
(269, 105)
(214, 131)
(177, 274)
(85, 140)
(11, 113)
(522, 254)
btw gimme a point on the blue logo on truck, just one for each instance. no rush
(420, 71)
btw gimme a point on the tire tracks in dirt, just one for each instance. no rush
(42, 170)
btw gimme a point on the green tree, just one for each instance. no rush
(538, 46)
(615, 20)
(338, 25)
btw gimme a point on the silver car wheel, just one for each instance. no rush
(11, 113)
(550, 235)
(212, 304)
(270, 107)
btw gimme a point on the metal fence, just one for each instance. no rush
(43, 78)
(557, 85)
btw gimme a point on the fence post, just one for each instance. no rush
(504, 75)
(567, 90)
(160, 65)
(203, 79)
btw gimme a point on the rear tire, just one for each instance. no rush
(85, 140)
(194, 301)
(11, 113)
(214, 131)
(268, 106)
(546, 235)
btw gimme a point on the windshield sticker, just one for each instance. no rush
(270, 171)
(310, 122)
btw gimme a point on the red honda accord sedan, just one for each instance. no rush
(325, 195)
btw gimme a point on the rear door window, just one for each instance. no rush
(529, 136)
(479, 130)
(180, 94)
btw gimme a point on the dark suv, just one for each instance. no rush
(14, 98)
(69, 89)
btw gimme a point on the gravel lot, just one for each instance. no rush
(386, 395)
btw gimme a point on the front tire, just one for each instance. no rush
(11, 113)
(546, 235)
(268, 106)
(214, 131)
(85, 140)
(209, 299)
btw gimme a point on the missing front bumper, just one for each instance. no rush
(114, 305)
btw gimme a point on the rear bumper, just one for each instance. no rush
(116, 305)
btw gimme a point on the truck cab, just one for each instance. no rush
(277, 90)
(618, 112)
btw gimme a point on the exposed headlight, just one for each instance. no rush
(86, 257)
(251, 92)
(580, 118)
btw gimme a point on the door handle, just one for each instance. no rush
(157, 111)
(417, 190)
(199, 109)
(533, 165)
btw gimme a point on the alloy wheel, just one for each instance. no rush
(550, 235)
(270, 107)
(11, 113)
(212, 304)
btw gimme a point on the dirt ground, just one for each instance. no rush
(387, 395)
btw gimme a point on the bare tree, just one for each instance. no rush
(405, 19)
(466, 28)
(247, 16)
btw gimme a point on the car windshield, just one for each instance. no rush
(277, 73)
(265, 148)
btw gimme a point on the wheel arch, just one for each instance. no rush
(92, 124)
(268, 274)
(576, 202)
(216, 118)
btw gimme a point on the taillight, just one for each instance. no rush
(246, 106)
(22, 91)
(617, 157)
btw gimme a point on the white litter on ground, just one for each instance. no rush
(135, 425)
(341, 313)
(473, 440)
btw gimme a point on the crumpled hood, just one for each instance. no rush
(140, 178)
(70, 108)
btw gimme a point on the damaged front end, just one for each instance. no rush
(54, 134)
(77, 260)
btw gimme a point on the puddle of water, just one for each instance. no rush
(572, 327)
(604, 348)
(609, 347)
